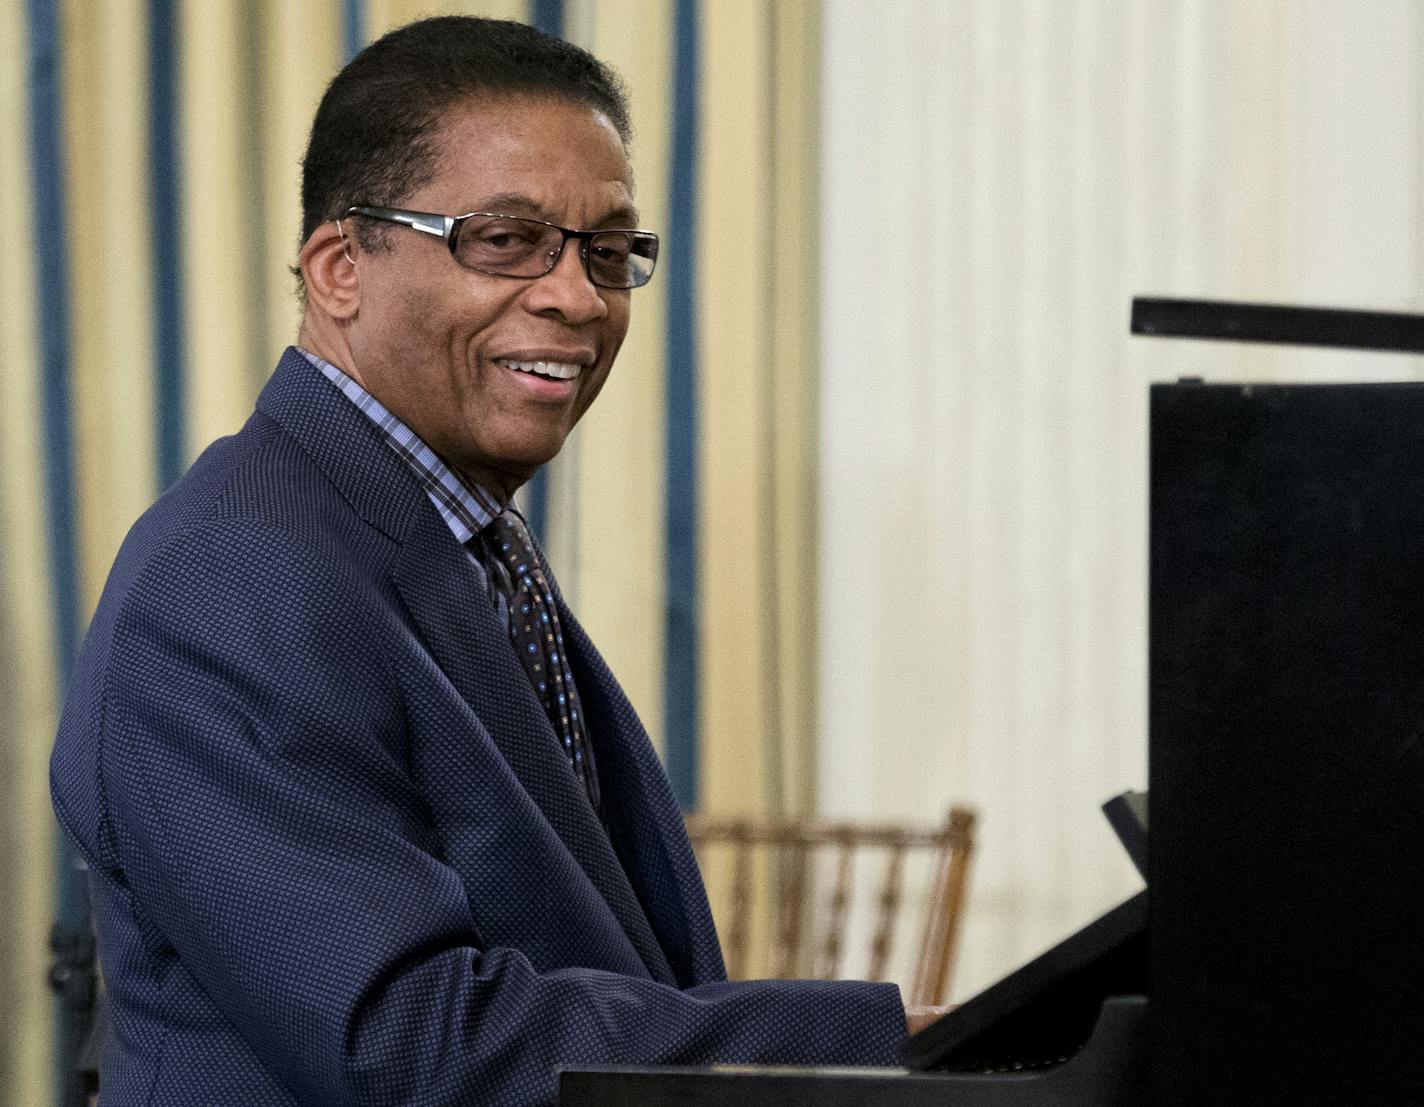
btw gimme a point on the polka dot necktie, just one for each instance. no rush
(539, 640)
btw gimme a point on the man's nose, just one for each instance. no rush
(567, 289)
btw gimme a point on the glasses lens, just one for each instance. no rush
(507, 246)
(511, 247)
(622, 259)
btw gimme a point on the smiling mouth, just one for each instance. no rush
(551, 370)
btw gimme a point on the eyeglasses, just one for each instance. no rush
(510, 246)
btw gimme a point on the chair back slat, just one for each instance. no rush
(946, 910)
(931, 960)
(888, 910)
(786, 951)
(789, 890)
(828, 961)
(735, 944)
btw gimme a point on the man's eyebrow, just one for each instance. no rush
(622, 219)
(516, 203)
(512, 203)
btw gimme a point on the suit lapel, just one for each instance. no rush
(446, 598)
(644, 818)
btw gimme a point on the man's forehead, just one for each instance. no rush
(513, 119)
(531, 156)
(520, 203)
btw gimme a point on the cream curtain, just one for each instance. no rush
(1000, 178)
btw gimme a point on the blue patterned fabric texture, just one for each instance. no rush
(537, 635)
(337, 853)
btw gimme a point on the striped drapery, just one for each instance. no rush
(151, 149)
(30, 641)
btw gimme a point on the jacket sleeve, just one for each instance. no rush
(268, 831)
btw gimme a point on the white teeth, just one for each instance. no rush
(559, 370)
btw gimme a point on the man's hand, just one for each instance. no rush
(917, 1018)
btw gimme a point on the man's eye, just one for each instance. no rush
(611, 249)
(504, 239)
(610, 253)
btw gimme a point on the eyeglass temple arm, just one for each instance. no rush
(437, 225)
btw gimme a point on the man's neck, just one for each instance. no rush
(490, 494)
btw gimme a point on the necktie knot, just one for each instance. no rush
(509, 542)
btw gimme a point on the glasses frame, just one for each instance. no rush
(448, 227)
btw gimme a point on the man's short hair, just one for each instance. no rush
(373, 140)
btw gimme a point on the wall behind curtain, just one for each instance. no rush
(993, 197)
(144, 297)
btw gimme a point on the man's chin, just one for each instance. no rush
(509, 472)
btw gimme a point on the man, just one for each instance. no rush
(368, 819)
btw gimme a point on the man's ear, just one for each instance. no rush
(329, 271)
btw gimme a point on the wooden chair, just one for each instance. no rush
(793, 847)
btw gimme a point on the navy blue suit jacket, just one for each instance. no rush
(337, 854)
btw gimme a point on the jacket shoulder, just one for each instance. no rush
(254, 531)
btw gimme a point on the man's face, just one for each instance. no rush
(437, 344)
